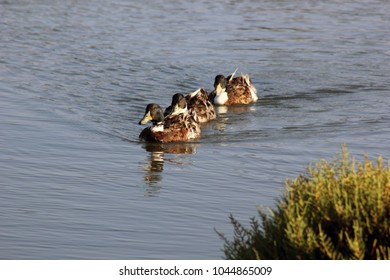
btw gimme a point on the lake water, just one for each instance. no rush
(75, 77)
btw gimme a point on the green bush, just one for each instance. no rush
(337, 210)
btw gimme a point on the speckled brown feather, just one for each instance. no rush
(201, 104)
(238, 92)
(176, 128)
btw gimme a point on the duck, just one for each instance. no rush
(230, 91)
(198, 102)
(177, 126)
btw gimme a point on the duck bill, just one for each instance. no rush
(146, 118)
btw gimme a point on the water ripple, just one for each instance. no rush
(75, 79)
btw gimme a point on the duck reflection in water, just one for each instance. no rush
(159, 153)
(226, 113)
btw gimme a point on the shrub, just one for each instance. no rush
(337, 210)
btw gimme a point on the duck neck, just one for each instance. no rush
(158, 127)
(221, 96)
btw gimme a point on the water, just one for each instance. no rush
(75, 77)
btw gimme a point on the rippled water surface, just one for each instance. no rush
(75, 77)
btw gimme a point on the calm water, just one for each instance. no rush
(75, 77)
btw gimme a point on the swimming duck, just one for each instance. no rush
(178, 125)
(230, 90)
(198, 102)
(179, 107)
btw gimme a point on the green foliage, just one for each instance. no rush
(337, 210)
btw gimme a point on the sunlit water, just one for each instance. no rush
(75, 77)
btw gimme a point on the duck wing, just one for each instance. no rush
(202, 106)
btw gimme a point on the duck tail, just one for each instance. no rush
(246, 79)
(193, 94)
(232, 75)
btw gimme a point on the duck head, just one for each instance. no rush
(179, 104)
(220, 84)
(153, 113)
